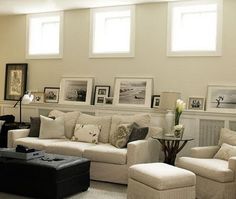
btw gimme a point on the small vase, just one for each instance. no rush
(179, 133)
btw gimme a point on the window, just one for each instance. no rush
(194, 28)
(112, 32)
(44, 35)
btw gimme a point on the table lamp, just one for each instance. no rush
(25, 99)
(168, 103)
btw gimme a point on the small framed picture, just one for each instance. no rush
(196, 103)
(101, 92)
(51, 94)
(108, 100)
(155, 101)
(15, 81)
(38, 97)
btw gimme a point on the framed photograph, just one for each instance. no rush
(15, 81)
(76, 90)
(221, 98)
(134, 91)
(108, 100)
(38, 97)
(155, 101)
(51, 94)
(101, 92)
(196, 103)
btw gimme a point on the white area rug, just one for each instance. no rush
(98, 190)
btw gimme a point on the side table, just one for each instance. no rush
(171, 146)
(10, 126)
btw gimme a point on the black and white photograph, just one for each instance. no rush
(108, 100)
(155, 101)
(196, 103)
(38, 97)
(133, 92)
(101, 92)
(76, 91)
(221, 98)
(51, 94)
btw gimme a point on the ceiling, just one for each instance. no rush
(9, 7)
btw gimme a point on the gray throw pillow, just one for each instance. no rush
(34, 126)
(138, 133)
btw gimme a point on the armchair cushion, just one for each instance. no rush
(226, 151)
(227, 136)
(214, 169)
(204, 152)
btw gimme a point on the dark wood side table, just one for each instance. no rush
(171, 146)
(10, 126)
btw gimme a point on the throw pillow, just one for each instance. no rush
(141, 119)
(138, 133)
(86, 133)
(121, 136)
(103, 121)
(227, 136)
(50, 128)
(34, 126)
(225, 152)
(70, 119)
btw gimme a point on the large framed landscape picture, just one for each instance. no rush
(134, 91)
(221, 98)
(15, 81)
(76, 91)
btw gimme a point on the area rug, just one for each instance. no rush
(98, 190)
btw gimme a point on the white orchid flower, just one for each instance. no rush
(178, 127)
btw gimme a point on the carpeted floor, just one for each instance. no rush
(98, 190)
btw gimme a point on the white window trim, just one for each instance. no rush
(217, 52)
(132, 33)
(45, 56)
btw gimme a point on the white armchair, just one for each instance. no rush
(216, 178)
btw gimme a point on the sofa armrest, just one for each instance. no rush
(12, 135)
(204, 152)
(143, 151)
(232, 165)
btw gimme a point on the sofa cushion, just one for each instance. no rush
(34, 126)
(36, 143)
(106, 153)
(138, 133)
(225, 152)
(214, 169)
(104, 121)
(86, 133)
(70, 119)
(162, 176)
(141, 119)
(227, 136)
(50, 128)
(68, 147)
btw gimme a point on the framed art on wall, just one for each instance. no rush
(101, 92)
(155, 101)
(76, 90)
(133, 91)
(221, 98)
(51, 94)
(15, 81)
(196, 103)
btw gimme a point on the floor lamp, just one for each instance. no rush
(168, 103)
(25, 99)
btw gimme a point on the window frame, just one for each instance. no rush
(218, 51)
(45, 56)
(131, 53)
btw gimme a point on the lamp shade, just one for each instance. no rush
(168, 100)
(27, 98)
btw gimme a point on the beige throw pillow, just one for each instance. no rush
(225, 152)
(121, 136)
(70, 119)
(227, 136)
(86, 133)
(143, 120)
(50, 128)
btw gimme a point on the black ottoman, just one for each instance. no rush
(54, 176)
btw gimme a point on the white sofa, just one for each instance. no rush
(108, 163)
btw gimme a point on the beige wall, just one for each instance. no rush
(189, 75)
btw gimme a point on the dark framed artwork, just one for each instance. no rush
(101, 92)
(51, 94)
(15, 81)
(155, 101)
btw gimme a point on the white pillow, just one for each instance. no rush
(225, 152)
(227, 136)
(50, 128)
(86, 133)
